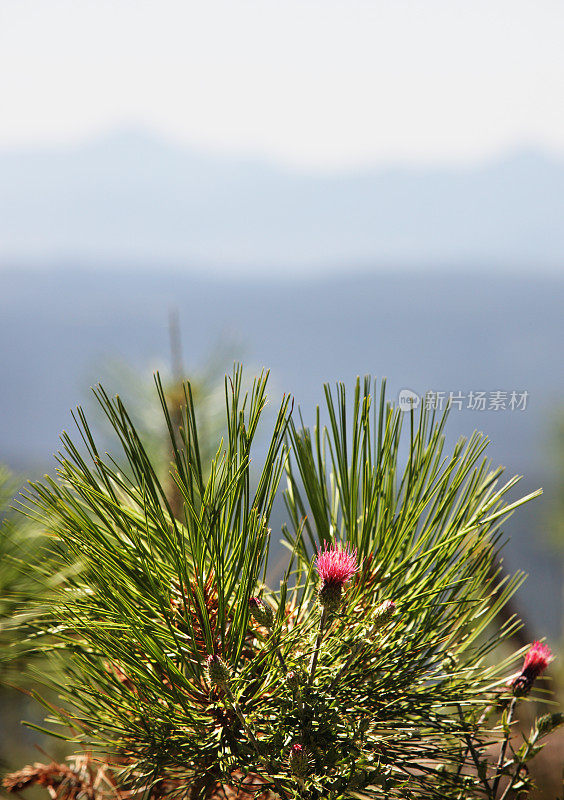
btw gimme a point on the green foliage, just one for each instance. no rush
(22, 552)
(383, 705)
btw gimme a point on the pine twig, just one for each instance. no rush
(503, 750)
(356, 648)
(518, 766)
(315, 654)
(465, 756)
(475, 758)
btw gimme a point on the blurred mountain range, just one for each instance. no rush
(132, 197)
(443, 279)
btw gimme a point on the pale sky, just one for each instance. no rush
(315, 83)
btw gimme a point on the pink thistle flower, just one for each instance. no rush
(537, 660)
(335, 566)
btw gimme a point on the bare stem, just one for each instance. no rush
(503, 750)
(356, 648)
(518, 766)
(315, 654)
(353, 654)
(243, 721)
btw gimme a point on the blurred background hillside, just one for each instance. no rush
(326, 189)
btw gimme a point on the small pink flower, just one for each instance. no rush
(537, 660)
(336, 565)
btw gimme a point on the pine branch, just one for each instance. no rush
(156, 590)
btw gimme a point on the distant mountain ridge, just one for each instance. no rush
(130, 196)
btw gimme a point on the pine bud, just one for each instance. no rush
(549, 722)
(299, 761)
(384, 613)
(293, 680)
(330, 595)
(218, 671)
(261, 612)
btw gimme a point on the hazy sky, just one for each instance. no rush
(311, 82)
